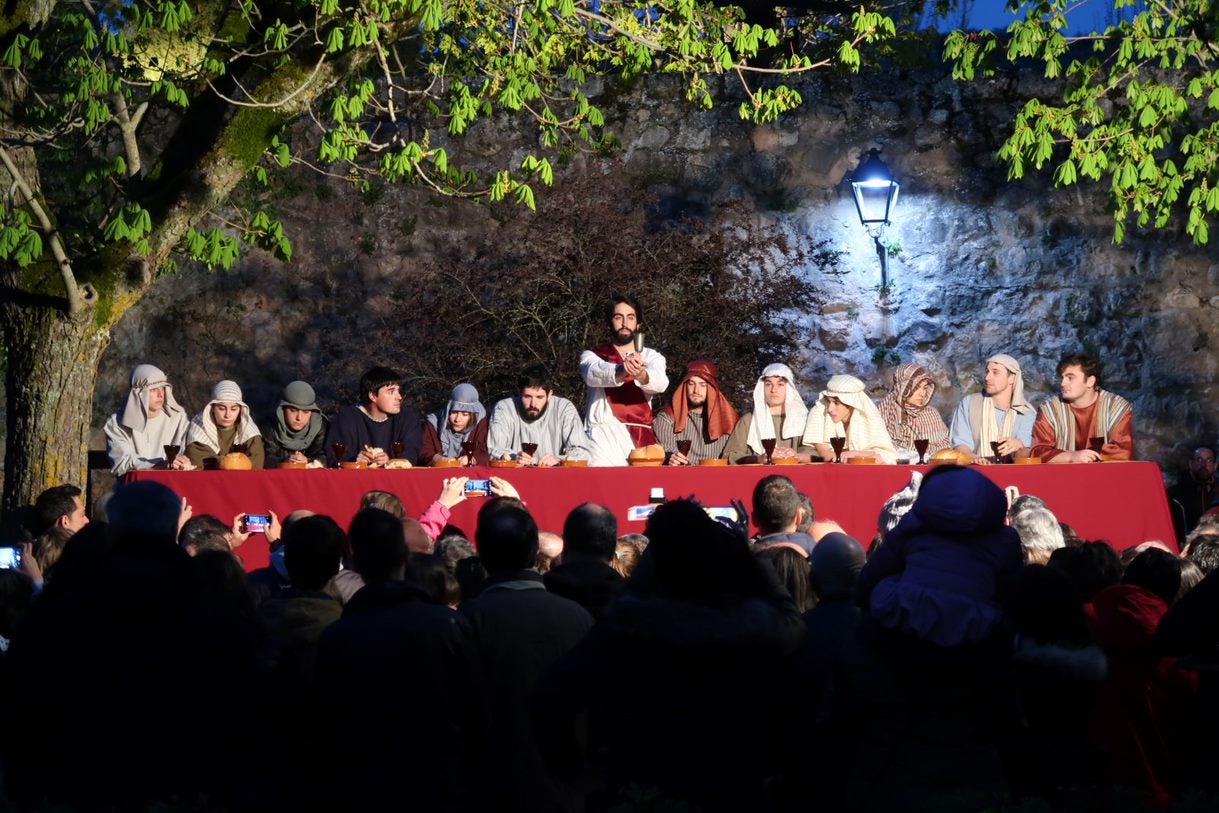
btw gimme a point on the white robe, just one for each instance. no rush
(130, 450)
(609, 441)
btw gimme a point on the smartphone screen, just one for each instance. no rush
(257, 523)
(478, 488)
(10, 558)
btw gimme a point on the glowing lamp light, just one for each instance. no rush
(875, 192)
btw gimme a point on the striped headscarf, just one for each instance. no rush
(907, 423)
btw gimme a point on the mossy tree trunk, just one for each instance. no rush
(49, 380)
(53, 355)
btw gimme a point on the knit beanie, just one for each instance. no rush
(300, 395)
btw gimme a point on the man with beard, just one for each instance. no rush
(1066, 425)
(1000, 413)
(699, 413)
(621, 381)
(1194, 491)
(536, 416)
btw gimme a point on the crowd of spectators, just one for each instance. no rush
(975, 654)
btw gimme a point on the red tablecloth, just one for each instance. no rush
(1123, 503)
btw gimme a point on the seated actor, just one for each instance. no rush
(152, 420)
(368, 430)
(1065, 424)
(908, 413)
(222, 427)
(621, 381)
(462, 421)
(775, 395)
(298, 433)
(699, 413)
(535, 415)
(1000, 413)
(845, 410)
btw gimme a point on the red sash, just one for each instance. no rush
(630, 405)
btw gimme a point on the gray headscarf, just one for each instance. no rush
(300, 395)
(464, 398)
(144, 379)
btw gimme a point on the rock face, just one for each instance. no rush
(979, 265)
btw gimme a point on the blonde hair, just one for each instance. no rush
(626, 557)
(49, 547)
(385, 501)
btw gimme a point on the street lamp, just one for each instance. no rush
(875, 193)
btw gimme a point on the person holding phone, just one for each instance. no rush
(150, 426)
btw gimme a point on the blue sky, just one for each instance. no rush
(1086, 16)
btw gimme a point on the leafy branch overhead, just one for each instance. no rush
(133, 121)
(1137, 110)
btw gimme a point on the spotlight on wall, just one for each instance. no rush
(875, 193)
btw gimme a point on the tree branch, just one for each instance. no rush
(127, 127)
(76, 296)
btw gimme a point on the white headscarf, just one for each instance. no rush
(867, 430)
(144, 379)
(1019, 404)
(795, 413)
(203, 428)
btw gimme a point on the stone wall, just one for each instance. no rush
(981, 265)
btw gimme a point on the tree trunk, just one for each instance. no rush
(49, 380)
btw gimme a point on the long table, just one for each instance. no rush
(1123, 503)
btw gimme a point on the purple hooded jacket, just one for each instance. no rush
(937, 573)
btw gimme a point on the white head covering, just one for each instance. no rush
(203, 429)
(795, 413)
(867, 431)
(144, 379)
(1019, 404)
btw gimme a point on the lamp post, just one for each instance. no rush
(875, 193)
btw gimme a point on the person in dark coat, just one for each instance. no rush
(584, 575)
(520, 630)
(1146, 698)
(411, 723)
(137, 661)
(1058, 672)
(824, 676)
(940, 702)
(1190, 630)
(676, 673)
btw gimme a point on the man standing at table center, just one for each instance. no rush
(1065, 424)
(621, 382)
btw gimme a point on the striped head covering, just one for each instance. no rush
(203, 428)
(906, 423)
